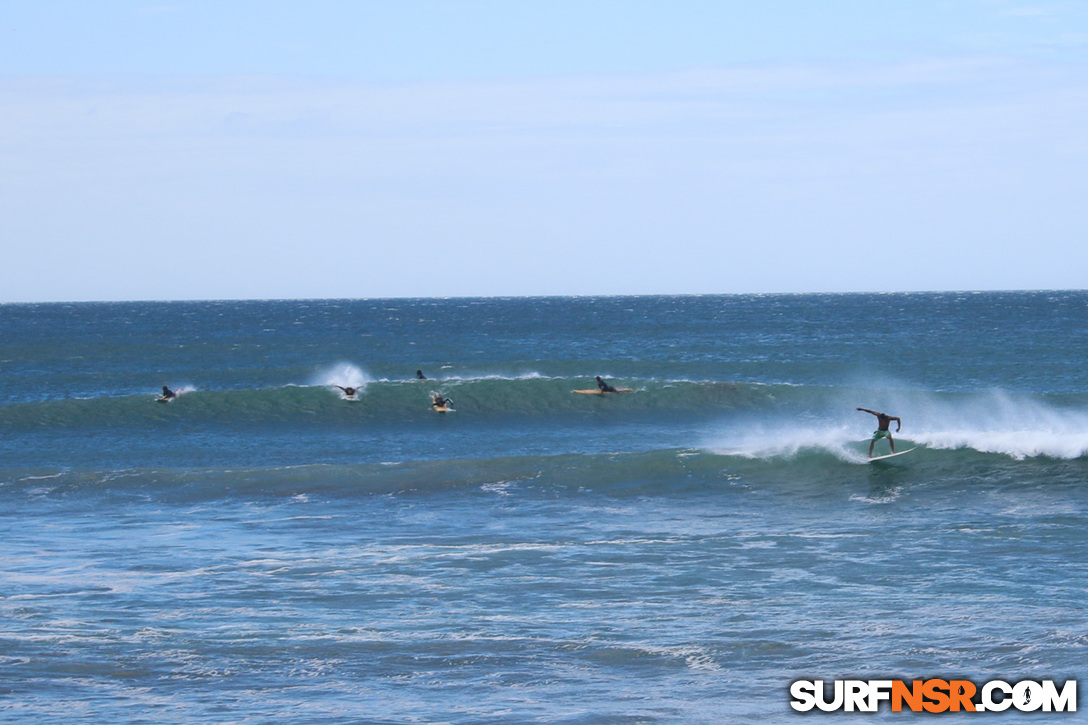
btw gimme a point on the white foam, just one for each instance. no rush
(1017, 444)
(764, 440)
(470, 378)
(1018, 426)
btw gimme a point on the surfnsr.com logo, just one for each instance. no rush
(934, 695)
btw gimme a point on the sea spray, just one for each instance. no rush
(994, 421)
(344, 375)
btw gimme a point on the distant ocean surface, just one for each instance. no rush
(262, 549)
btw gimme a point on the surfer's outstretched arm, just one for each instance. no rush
(866, 410)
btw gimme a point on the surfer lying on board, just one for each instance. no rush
(883, 421)
(350, 392)
(439, 402)
(605, 387)
(167, 393)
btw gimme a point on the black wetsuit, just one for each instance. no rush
(605, 387)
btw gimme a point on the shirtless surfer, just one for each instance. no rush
(883, 421)
(604, 387)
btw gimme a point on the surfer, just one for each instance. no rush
(604, 387)
(350, 392)
(438, 401)
(883, 422)
(420, 375)
(168, 394)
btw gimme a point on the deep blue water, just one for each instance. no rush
(263, 549)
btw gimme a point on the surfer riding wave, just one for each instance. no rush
(883, 423)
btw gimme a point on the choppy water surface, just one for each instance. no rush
(263, 548)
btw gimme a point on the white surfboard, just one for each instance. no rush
(890, 455)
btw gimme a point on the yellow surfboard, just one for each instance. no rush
(598, 391)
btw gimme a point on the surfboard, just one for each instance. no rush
(442, 408)
(890, 455)
(598, 391)
(164, 399)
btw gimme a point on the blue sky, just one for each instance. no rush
(200, 150)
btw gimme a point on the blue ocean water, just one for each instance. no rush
(262, 548)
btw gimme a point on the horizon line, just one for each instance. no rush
(545, 296)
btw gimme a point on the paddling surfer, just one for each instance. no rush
(604, 387)
(883, 422)
(168, 394)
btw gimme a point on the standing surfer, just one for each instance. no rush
(883, 422)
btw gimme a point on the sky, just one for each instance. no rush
(158, 150)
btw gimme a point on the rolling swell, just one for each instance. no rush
(807, 472)
(387, 401)
(537, 475)
(770, 422)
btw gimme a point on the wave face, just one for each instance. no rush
(267, 543)
(497, 416)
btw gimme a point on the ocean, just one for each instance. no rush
(263, 548)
